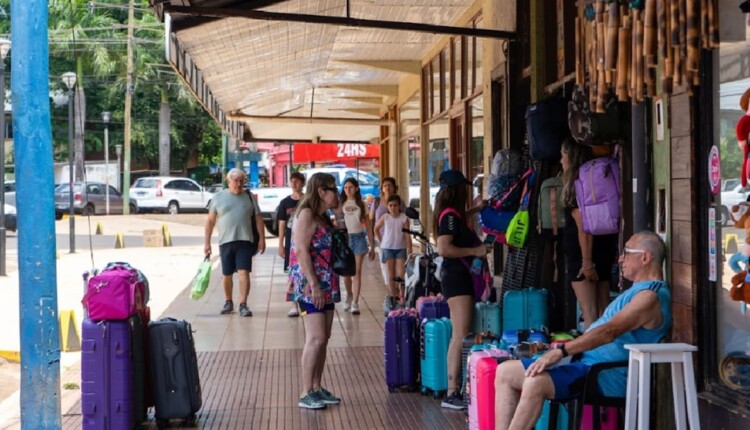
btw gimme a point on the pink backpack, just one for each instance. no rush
(115, 294)
(598, 195)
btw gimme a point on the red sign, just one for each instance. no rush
(303, 153)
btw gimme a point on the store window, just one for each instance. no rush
(439, 149)
(732, 316)
(476, 145)
(408, 114)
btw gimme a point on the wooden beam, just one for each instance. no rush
(385, 90)
(335, 20)
(410, 67)
(305, 120)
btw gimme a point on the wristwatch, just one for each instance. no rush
(561, 347)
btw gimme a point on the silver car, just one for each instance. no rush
(90, 198)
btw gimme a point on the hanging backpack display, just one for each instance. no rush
(598, 195)
(550, 210)
(547, 127)
(592, 128)
(518, 229)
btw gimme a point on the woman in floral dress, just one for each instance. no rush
(316, 286)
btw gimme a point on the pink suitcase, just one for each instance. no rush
(608, 417)
(425, 299)
(482, 367)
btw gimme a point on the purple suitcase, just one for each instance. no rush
(401, 360)
(106, 375)
(434, 309)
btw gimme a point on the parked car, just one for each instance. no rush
(11, 221)
(730, 198)
(213, 189)
(369, 183)
(169, 194)
(90, 198)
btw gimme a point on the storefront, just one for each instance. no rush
(724, 290)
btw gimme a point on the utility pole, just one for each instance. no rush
(128, 103)
(164, 119)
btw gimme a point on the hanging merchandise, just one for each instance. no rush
(546, 128)
(591, 128)
(621, 44)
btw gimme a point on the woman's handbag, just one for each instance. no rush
(342, 256)
(200, 283)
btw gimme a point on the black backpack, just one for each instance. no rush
(256, 233)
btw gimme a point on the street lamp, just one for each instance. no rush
(69, 78)
(118, 151)
(105, 117)
(4, 48)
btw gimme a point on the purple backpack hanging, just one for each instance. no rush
(598, 195)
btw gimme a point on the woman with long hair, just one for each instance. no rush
(357, 223)
(588, 258)
(316, 285)
(456, 241)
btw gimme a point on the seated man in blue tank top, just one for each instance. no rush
(641, 314)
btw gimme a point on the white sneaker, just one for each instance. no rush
(347, 304)
(355, 309)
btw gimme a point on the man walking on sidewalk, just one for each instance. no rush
(235, 211)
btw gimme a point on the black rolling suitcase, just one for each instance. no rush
(174, 371)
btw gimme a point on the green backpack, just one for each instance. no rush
(551, 212)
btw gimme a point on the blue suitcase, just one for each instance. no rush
(525, 309)
(434, 309)
(106, 375)
(434, 340)
(401, 359)
(487, 318)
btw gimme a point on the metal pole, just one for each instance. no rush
(2, 168)
(71, 209)
(106, 158)
(39, 327)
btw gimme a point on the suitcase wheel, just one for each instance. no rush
(162, 424)
(424, 391)
(437, 395)
(191, 420)
(391, 389)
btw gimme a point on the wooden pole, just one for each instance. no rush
(668, 56)
(613, 25)
(692, 35)
(638, 56)
(623, 58)
(579, 54)
(601, 85)
(649, 33)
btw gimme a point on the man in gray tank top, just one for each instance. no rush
(235, 211)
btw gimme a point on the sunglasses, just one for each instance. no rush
(627, 251)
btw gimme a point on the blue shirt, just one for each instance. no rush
(612, 382)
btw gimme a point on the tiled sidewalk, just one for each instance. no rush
(250, 367)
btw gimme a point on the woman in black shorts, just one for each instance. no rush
(588, 259)
(456, 241)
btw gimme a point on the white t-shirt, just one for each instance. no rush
(353, 217)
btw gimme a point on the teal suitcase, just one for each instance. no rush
(433, 350)
(487, 318)
(525, 309)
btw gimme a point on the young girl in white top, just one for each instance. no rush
(394, 244)
(357, 223)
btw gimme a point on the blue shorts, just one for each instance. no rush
(567, 378)
(358, 243)
(307, 308)
(237, 255)
(392, 254)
